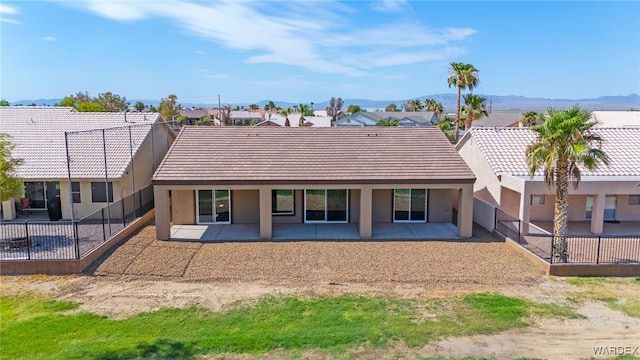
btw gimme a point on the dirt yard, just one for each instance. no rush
(146, 274)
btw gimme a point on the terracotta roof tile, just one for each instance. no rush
(309, 154)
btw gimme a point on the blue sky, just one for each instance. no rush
(305, 51)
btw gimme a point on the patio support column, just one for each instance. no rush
(524, 211)
(365, 212)
(265, 213)
(9, 209)
(597, 213)
(465, 211)
(163, 218)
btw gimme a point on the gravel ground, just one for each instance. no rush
(482, 261)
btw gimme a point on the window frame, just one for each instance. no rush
(95, 192)
(213, 207)
(631, 202)
(274, 203)
(426, 206)
(326, 210)
(75, 192)
(541, 200)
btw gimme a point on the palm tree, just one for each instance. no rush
(463, 76)
(286, 112)
(530, 118)
(432, 105)
(414, 105)
(564, 142)
(473, 109)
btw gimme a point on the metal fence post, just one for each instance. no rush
(551, 252)
(598, 252)
(519, 230)
(77, 239)
(124, 215)
(104, 233)
(26, 231)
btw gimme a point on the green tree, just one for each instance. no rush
(89, 107)
(447, 128)
(4, 102)
(432, 105)
(473, 109)
(254, 107)
(10, 185)
(530, 118)
(391, 107)
(463, 76)
(334, 108)
(139, 106)
(388, 122)
(285, 112)
(112, 102)
(564, 142)
(270, 105)
(353, 108)
(413, 105)
(169, 107)
(69, 101)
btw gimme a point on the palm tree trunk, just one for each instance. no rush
(458, 115)
(561, 209)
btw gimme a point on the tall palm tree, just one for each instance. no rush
(473, 109)
(564, 142)
(305, 110)
(530, 118)
(414, 105)
(285, 112)
(463, 76)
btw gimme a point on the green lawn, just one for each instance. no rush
(618, 293)
(37, 328)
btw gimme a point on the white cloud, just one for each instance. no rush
(48, 38)
(8, 10)
(287, 34)
(390, 6)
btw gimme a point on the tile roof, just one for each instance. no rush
(499, 119)
(235, 155)
(504, 149)
(38, 133)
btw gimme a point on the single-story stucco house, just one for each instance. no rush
(404, 118)
(271, 178)
(608, 195)
(134, 143)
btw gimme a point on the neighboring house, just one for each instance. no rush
(609, 193)
(309, 121)
(617, 118)
(39, 136)
(245, 118)
(405, 118)
(192, 117)
(360, 177)
(499, 119)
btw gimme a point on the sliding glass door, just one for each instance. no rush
(322, 205)
(213, 206)
(40, 193)
(410, 205)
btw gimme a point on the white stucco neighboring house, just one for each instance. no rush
(610, 193)
(134, 144)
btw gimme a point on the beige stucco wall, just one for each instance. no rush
(626, 212)
(440, 205)
(183, 207)
(510, 202)
(382, 204)
(486, 180)
(245, 207)
(354, 205)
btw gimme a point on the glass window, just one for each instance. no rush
(99, 194)
(282, 202)
(538, 199)
(410, 205)
(75, 192)
(214, 206)
(634, 199)
(326, 205)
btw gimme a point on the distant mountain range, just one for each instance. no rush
(496, 102)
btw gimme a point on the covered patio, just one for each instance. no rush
(329, 232)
